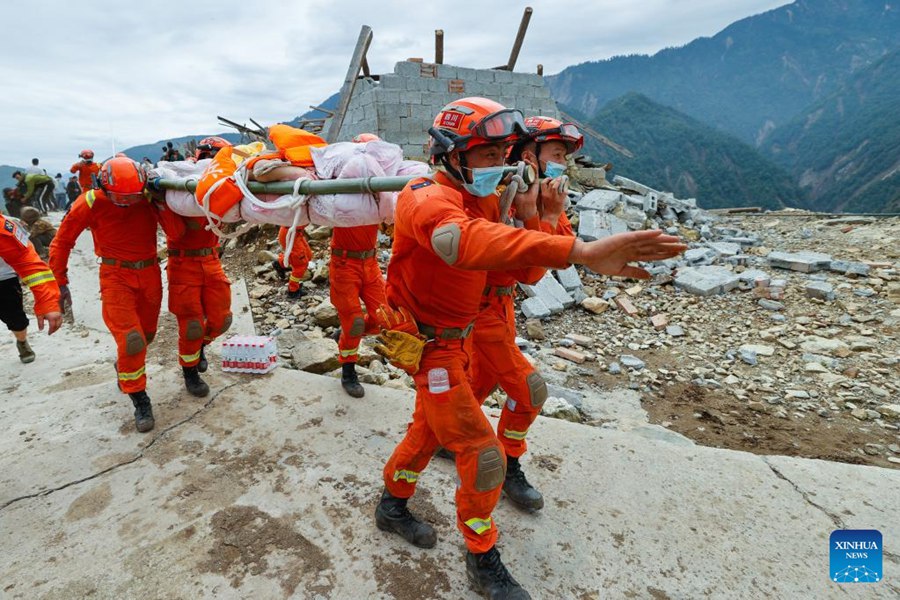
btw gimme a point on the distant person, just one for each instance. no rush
(35, 168)
(40, 231)
(73, 190)
(59, 192)
(13, 200)
(172, 153)
(86, 169)
(147, 163)
(18, 259)
(38, 190)
(165, 154)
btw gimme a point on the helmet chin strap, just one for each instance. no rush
(457, 173)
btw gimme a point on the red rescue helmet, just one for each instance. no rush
(469, 122)
(366, 137)
(207, 147)
(546, 129)
(123, 180)
(86, 154)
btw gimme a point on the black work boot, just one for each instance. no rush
(279, 269)
(350, 381)
(489, 576)
(392, 515)
(518, 489)
(195, 386)
(143, 412)
(296, 294)
(26, 354)
(203, 364)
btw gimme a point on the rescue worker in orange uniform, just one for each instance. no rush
(86, 169)
(123, 224)
(300, 256)
(496, 359)
(447, 236)
(199, 292)
(355, 275)
(19, 260)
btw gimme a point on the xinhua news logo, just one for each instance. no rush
(856, 556)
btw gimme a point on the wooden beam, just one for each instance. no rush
(365, 67)
(438, 46)
(540, 70)
(597, 135)
(520, 37)
(330, 113)
(359, 55)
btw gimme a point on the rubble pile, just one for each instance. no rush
(787, 314)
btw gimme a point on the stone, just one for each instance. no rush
(634, 290)
(770, 304)
(804, 262)
(319, 233)
(559, 408)
(535, 329)
(706, 281)
(725, 248)
(599, 200)
(659, 322)
(581, 340)
(534, 308)
(321, 273)
(759, 349)
(819, 345)
(700, 256)
(675, 330)
(595, 305)
(573, 397)
(570, 355)
(265, 257)
(569, 279)
(326, 315)
(889, 411)
(316, 355)
(614, 368)
(849, 268)
(626, 306)
(860, 413)
(820, 290)
(260, 291)
(632, 362)
(548, 289)
(748, 357)
(594, 225)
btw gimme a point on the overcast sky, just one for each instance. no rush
(87, 74)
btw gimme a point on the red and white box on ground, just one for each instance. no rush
(256, 354)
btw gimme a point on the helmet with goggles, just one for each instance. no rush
(122, 180)
(86, 154)
(469, 122)
(547, 129)
(207, 147)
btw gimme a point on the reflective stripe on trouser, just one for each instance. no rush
(300, 256)
(131, 299)
(200, 299)
(353, 279)
(496, 360)
(454, 420)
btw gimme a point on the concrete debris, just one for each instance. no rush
(804, 262)
(706, 281)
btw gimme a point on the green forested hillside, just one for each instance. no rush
(754, 75)
(845, 150)
(676, 153)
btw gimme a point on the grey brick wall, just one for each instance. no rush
(401, 106)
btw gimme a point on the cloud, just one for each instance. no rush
(137, 73)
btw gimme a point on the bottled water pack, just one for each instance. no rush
(249, 354)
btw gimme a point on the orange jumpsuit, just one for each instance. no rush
(130, 280)
(17, 252)
(300, 256)
(444, 242)
(85, 172)
(199, 290)
(355, 275)
(497, 360)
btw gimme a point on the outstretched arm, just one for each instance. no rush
(612, 255)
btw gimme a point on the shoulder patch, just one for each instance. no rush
(421, 184)
(9, 226)
(18, 232)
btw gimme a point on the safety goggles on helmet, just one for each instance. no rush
(501, 125)
(566, 132)
(124, 199)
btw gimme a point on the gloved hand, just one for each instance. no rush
(65, 298)
(403, 350)
(396, 320)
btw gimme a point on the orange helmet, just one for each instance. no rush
(366, 137)
(86, 154)
(469, 122)
(123, 180)
(207, 147)
(546, 129)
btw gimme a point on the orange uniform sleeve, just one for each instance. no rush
(19, 254)
(75, 168)
(531, 275)
(474, 244)
(72, 225)
(564, 226)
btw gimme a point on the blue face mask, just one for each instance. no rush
(554, 170)
(484, 181)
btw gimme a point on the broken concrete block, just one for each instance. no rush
(725, 248)
(650, 204)
(675, 330)
(706, 281)
(849, 268)
(569, 278)
(534, 308)
(770, 304)
(820, 290)
(632, 362)
(571, 396)
(569, 354)
(640, 188)
(634, 290)
(659, 321)
(594, 225)
(626, 306)
(755, 277)
(581, 340)
(549, 286)
(804, 262)
(700, 256)
(595, 305)
(601, 200)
